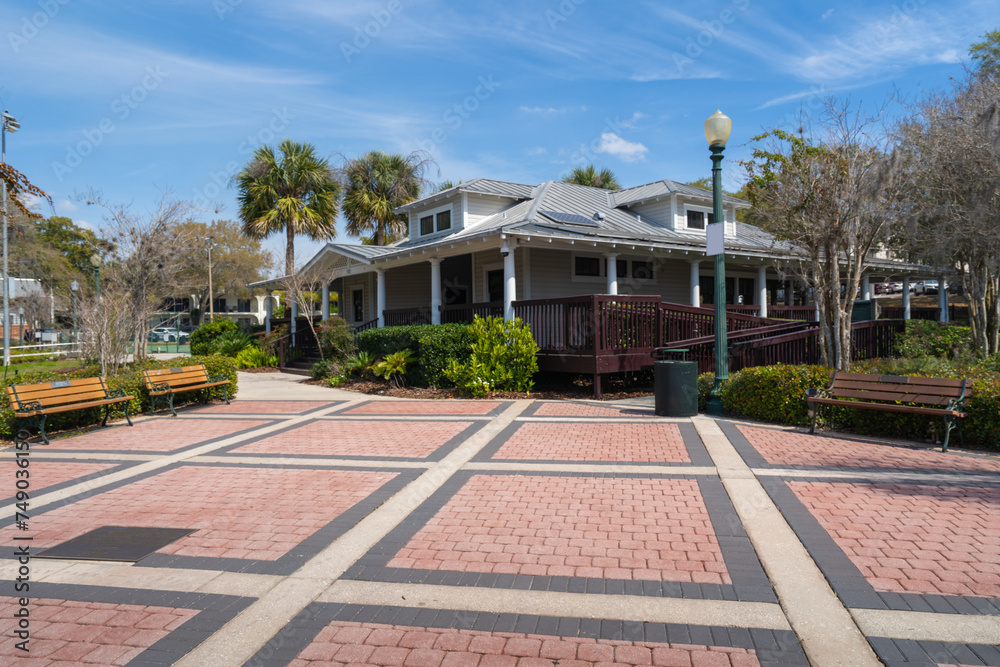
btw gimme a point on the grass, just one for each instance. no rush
(43, 366)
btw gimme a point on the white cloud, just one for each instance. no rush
(551, 111)
(628, 151)
(85, 225)
(537, 151)
(631, 122)
(828, 13)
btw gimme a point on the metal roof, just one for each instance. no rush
(666, 188)
(479, 186)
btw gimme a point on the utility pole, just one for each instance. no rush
(7, 124)
(211, 300)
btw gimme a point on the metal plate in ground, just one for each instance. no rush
(117, 543)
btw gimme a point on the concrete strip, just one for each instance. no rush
(241, 583)
(556, 468)
(160, 462)
(921, 626)
(313, 462)
(124, 575)
(241, 638)
(824, 626)
(405, 417)
(576, 419)
(544, 603)
(890, 477)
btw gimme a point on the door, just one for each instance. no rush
(494, 285)
(358, 304)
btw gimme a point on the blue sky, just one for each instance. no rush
(137, 99)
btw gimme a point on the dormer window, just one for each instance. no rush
(436, 221)
(696, 219)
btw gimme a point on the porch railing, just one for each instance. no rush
(405, 316)
(466, 312)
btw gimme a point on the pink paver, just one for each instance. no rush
(256, 513)
(786, 448)
(263, 407)
(434, 408)
(614, 528)
(405, 439)
(561, 409)
(155, 435)
(375, 644)
(641, 443)
(49, 473)
(913, 539)
(86, 633)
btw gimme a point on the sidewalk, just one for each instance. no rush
(318, 526)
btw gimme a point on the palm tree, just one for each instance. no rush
(291, 190)
(375, 184)
(589, 175)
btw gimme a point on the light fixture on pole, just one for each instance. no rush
(717, 129)
(7, 124)
(95, 261)
(211, 301)
(74, 287)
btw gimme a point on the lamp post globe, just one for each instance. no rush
(95, 261)
(717, 129)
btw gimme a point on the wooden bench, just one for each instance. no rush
(38, 401)
(165, 383)
(938, 397)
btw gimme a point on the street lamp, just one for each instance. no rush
(20, 322)
(74, 287)
(7, 124)
(211, 302)
(95, 260)
(717, 129)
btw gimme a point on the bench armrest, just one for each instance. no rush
(217, 378)
(117, 393)
(155, 386)
(28, 406)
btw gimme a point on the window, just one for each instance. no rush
(444, 220)
(587, 266)
(621, 268)
(696, 219)
(642, 270)
(427, 225)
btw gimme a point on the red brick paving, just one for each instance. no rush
(615, 528)
(913, 539)
(785, 448)
(49, 473)
(263, 407)
(156, 435)
(403, 646)
(405, 439)
(560, 409)
(641, 443)
(86, 633)
(435, 408)
(256, 513)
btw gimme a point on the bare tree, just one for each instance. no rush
(952, 145)
(303, 285)
(108, 327)
(834, 197)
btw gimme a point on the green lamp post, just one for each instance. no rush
(95, 261)
(717, 129)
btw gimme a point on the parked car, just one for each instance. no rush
(883, 288)
(167, 335)
(926, 287)
(895, 288)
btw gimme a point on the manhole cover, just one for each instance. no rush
(120, 543)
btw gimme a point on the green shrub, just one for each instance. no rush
(336, 338)
(924, 338)
(231, 343)
(325, 368)
(772, 393)
(502, 359)
(254, 357)
(360, 364)
(393, 367)
(129, 379)
(202, 337)
(433, 346)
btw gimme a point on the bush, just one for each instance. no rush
(202, 337)
(432, 345)
(231, 343)
(129, 379)
(924, 338)
(503, 358)
(336, 338)
(254, 357)
(393, 367)
(325, 369)
(772, 393)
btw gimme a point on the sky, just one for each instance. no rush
(169, 98)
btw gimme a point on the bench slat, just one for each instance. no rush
(901, 379)
(889, 407)
(950, 392)
(78, 382)
(892, 396)
(80, 406)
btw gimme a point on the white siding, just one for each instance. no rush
(481, 207)
(551, 277)
(352, 283)
(656, 212)
(408, 286)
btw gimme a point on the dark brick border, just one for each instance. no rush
(215, 611)
(750, 582)
(689, 435)
(532, 411)
(284, 565)
(844, 577)
(485, 415)
(116, 466)
(326, 405)
(910, 653)
(268, 421)
(774, 648)
(433, 457)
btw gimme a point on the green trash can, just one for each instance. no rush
(675, 388)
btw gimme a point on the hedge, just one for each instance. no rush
(129, 379)
(433, 345)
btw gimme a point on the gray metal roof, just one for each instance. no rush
(480, 186)
(666, 188)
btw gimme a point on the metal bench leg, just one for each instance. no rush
(814, 413)
(949, 423)
(127, 418)
(40, 423)
(107, 411)
(225, 393)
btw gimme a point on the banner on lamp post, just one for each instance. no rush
(715, 235)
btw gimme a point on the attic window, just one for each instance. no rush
(696, 219)
(438, 221)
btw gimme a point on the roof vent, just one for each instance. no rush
(598, 215)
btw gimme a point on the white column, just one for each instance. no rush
(380, 296)
(762, 291)
(509, 281)
(268, 311)
(906, 298)
(612, 272)
(866, 288)
(436, 290)
(943, 299)
(695, 284)
(325, 307)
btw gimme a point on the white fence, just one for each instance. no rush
(44, 350)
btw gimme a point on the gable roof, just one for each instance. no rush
(666, 188)
(479, 186)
